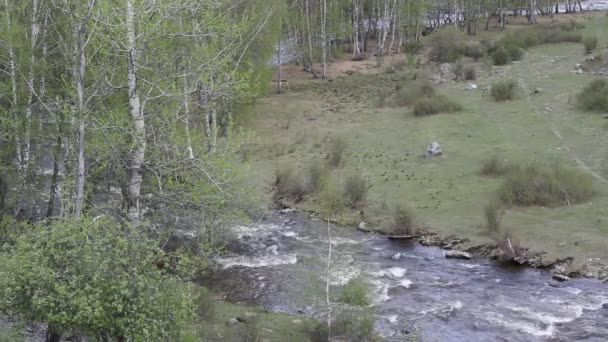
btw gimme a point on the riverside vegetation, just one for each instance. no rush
(134, 135)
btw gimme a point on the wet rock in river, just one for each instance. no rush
(560, 277)
(458, 255)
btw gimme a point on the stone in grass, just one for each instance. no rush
(470, 86)
(433, 150)
(458, 255)
(538, 90)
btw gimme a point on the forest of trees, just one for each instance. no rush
(116, 127)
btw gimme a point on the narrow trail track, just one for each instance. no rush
(581, 164)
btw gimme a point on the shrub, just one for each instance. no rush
(434, 105)
(495, 166)
(504, 90)
(411, 93)
(475, 50)
(590, 43)
(335, 150)
(535, 184)
(493, 213)
(500, 56)
(446, 45)
(332, 198)
(355, 189)
(96, 277)
(355, 292)
(349, 325)
(295, 185)
(469, 73)
(403, 220)
(458, 69)
(594, 96)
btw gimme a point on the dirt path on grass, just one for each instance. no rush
(581, 164)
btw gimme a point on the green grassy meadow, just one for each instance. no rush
(386, 145)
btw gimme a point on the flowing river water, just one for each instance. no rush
(281, 265)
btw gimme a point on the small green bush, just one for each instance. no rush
(412, 92)
(355, 189)
(594, 96)
(493, 213)
(335, 150)
(500, 56)
(295, 185)
(590, 43)
(540, 185)
(504, 90)
(355, 292)
(403, 220)
(434, 105)
(495, 166)
(458, 69)
(469, 73)
(332, 198)
(446, 45)
(475, 50)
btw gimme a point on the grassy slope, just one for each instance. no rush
(269, 327)
(448, 193)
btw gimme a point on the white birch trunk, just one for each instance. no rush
(324, 39)
(139, 127)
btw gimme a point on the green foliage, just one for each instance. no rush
(355, 292)
(446, 45)
(504, 90)
(97, 277)
(458, 68)
(434, 105)
(355, 189)
(493, 213)
(594, 97)
(500, 56)
(495, 166)
(469, 73)
(536, 184)
(332, 198)
(475, 50)
(11, 334)
(403, 220)
(412, 92)
(294, 185)
(352, 325)
(335, 150)
(590, 43)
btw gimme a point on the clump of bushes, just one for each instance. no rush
(446, 45)
(355, 189)
(594, 96)
(355, 292)
(500, 56)
(294, 185)
(590, 43)
(469, 73)
(335, 150)
(495, 166)
(408, 95)
(434, 105)
(512, 46)
(475, 50)
(504, 90)
(535, 184)
(403, 220)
